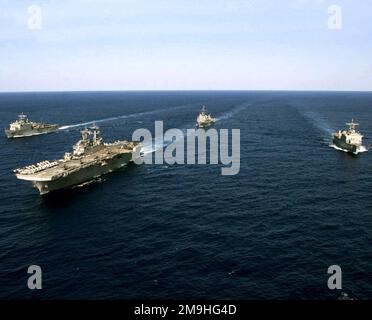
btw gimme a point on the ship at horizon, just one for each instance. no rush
(23, 127)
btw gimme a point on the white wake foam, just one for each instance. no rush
(361, 149)
(231, 113)
(158, 144)
(318, 121)
(155, 145)
(126, 116)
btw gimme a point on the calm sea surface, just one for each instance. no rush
(185, 231)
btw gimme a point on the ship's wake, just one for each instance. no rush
(319, 122)
(231, 113)
(224, 116)
(159, 143)
(362, 149)
(126, 116)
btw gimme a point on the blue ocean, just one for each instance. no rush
(296, 207)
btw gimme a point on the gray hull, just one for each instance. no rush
(83, 175)
(204, 124)
(30, 132)
(345, 146)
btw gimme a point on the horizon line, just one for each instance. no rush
(186, 90)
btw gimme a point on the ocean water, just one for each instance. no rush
(180, 232)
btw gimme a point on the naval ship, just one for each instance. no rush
(26, 128)
(204, 118)
(90, 159)
(350, 139)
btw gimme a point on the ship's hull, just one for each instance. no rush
(30, 132)
(352, 148)
(204, 124)
(83, 175)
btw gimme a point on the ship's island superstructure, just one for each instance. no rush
(350, 139)
(204, 118)
(90, 159)
(23, 127)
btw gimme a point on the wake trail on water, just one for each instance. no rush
(126, 116)
(158, 144)
(231, 113)
(319, 122)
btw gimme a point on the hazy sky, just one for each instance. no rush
(184, 44)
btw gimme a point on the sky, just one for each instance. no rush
(78, 45)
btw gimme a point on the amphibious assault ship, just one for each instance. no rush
(350, 139)
(26, 128)
(90, 159)
(204, 118)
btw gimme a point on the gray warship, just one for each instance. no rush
(90, 159)
(26, 128)
(350, 139)
(204, 118)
